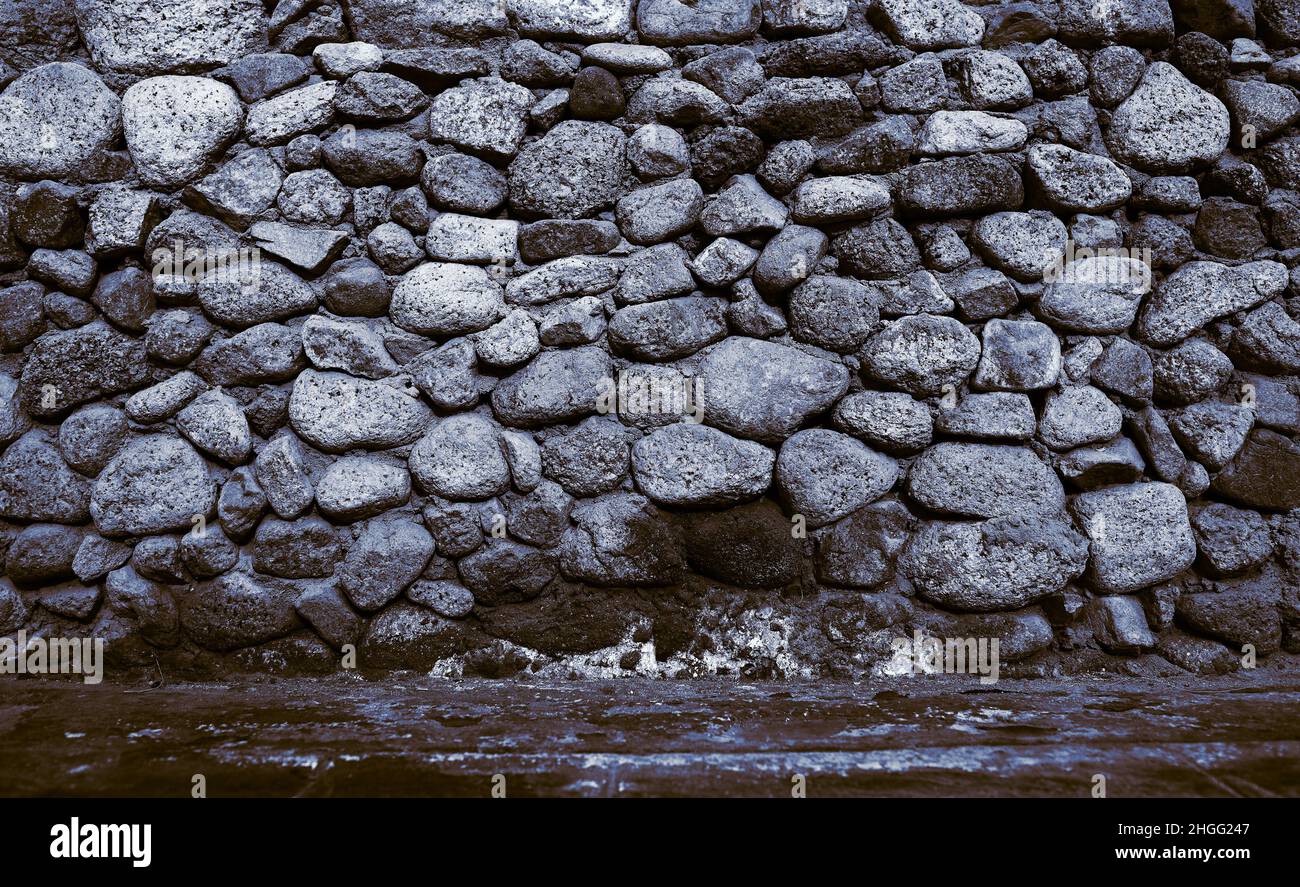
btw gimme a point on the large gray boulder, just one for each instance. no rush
(1168, 124)
(571, 172)
(56, 121)
(688, 464)
(335, 412)
(156, 484)
(175, 126)
(825, 475)
(984, 480)
(765, 391)
(146, 37)
(387, 557)
(1140, 535)
(998, 564)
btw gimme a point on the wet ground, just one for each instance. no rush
(1233, 736)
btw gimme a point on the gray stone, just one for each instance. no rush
(175, 126)
(453, 237)
(375, 97)
(241, 503)
(1119, 624)
(357, 487)
(954, 186)
(55, 121)
(564, 278)
(620, 540)
(1117, 462)
(678, 23)
(155, 484)
(282, 479)
(970, 132)
(1018, 355)
(556, 386)
(209, 554)
(164, 400)
(1168, 125)
(335, 413)
(386, 559)
(446, 598)
(460, 183)
(675, 103)
(446, 299)
(214, 422)
(992, 80)
(984, 480)
(503, 571)
(1073, 181)
(589, 460)
(236, 611)
(838, 199)
(1076, 416)
(1096, 294)
(835, 313)
(996, 415)
(577, 322)
(156, 36)
(307, 548)
(69, 368)
(687, 464)
(461, 458)
(509, 342)
(310, 250)
(723, 262)
(660, 212)
(1243, 615)
(997, 564)
(369, 158)
(313, 197)
(1139, 534)
(788, 259)
(268, 352)
(765, 391)
(91, 436)
(587, 21)
(276, 120)
(1024, 245)
(824, 475)
(541, 516)
(656, 151)
(743, 207)
(1231, 540)
(42, 554)
(922, 354)
(931, 24)
(655, 273)
(96, 557)
(242, 189)
(266, 292)
(350, 346)
(887, 420)
(667, 329)
(483, 117)
(1211, 431)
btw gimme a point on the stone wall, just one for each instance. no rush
(682, 338)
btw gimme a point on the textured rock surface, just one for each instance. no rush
(664, 337)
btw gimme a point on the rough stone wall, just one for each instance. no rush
(391, 324)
